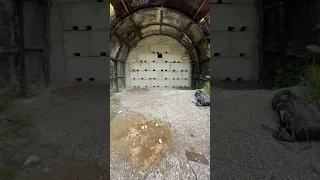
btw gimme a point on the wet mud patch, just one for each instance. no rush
(141, 141)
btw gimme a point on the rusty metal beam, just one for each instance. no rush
(125, 6)
(201, 6)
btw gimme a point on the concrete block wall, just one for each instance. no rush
(80, 37)
(145, 69)
(234, 41)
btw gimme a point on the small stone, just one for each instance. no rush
(160, 141)
(142, 127)
(32, 161)
(47, 169)
(157, 124)
(145, 126)
(120, 112)
(141, 173)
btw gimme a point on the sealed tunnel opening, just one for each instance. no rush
(171, 69)
(157, 47)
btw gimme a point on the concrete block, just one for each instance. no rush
(140, 83)
(181, 67)
(160, 67)
(221, 42)
(242, 43)
(147, 58)
(134, 75)
(139, 66)
(174, 75)
(234, 68)
(180, 83)
(237, 16)
(148, 75)
(160, 48)
(160, 83)
(86, 68)
(83, 15)
(99, 42)
(76, 42)
(172, 57)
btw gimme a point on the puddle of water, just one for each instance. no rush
(143, 141)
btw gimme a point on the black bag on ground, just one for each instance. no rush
(298, 120)
(202, 99)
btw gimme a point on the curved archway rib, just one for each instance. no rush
(137, 30)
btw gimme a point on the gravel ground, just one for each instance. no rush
(242, 150)
(73, 126)
(190, 125)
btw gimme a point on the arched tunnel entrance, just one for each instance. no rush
(157, 47)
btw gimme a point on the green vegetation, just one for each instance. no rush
(6, 173)
(287, 77)
(312, 76)
(204, 85)
(313, 80)
(114, 99)
(13, 120)
(112, 12)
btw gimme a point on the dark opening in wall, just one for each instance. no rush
(230, 28)
(216, 54)
(91, 79)
(103, 54)
(76, 54)
(88, 28)
(227, 79)
(241, 54)
(159, 55)
(79, 79)
(239, 79)
(100, 0)
(243, 28)
(75, 28)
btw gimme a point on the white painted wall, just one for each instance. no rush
(90, 45)
(145, 69)
(238, 49)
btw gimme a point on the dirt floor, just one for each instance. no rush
(149, 135)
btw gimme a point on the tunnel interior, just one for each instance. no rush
(153, 28)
